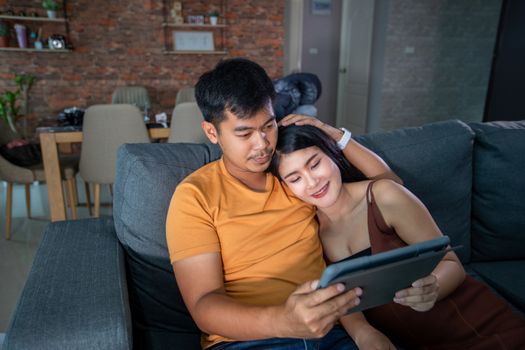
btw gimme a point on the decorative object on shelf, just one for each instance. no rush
(52, 7)
(38, 43)
(4, 34)
(193, 41)
(10, 110)
(214, 17)
(176, 13)
(21, 35)
(198, 19)
(56, 42)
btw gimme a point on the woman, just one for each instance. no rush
(446, 310)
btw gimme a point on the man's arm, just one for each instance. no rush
(369, 163)
(307, 313)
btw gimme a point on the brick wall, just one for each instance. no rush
(446, 74)
(121, 43)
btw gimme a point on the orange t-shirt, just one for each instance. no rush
(268, 240)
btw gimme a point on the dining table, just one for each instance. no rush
(50, 140)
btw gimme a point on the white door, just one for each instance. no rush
(354, 64)
(293, 36)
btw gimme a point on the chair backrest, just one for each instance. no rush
(105, 128)
(186, 124)
(133, 95)
(8, 171)
(186, 94)
(13, 173)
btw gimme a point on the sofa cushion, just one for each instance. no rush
(498, 205)
(75, 296)
(435, 163)
(147, 175)
(506, 277)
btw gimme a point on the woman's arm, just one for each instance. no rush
(413, 223)
(364, 335)
(369, 163)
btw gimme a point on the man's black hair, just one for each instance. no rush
(237, 85)
(294, 138)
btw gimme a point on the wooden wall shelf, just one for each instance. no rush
(185, 25)
(33, 50)
(43, 21)
(170, 28)
(33, 19)
(180, 52)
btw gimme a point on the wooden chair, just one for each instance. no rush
(133, 95)
(14, 174)
(185, 94)
(186, 124)
(105, 128)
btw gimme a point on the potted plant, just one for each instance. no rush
(10, 110)
(4, 34)
(18, 150)
(214, 17)
(51, 6)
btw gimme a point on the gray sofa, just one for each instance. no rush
(107, 283)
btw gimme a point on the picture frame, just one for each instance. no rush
(198, 19)
(193, 41)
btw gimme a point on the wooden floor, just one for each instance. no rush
(16, 255)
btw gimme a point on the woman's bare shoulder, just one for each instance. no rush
(389, 192)
(383, 188)
(358, 185)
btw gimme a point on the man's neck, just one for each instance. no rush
(256, 181)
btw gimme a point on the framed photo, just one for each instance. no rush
(193, 41)
(196, 19)
(322, 7)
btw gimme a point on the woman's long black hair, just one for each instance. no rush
(296, 137)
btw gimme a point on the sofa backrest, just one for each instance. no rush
(435, 163)
(498, 197)
(147, 175)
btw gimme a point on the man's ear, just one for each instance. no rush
(210, 131)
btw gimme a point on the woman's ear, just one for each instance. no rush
(210, 131)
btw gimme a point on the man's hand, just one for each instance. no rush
(298, 119)
(421, 296)
(311, 313)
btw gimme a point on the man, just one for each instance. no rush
(245, 251)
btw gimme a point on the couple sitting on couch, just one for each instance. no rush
(246, 251)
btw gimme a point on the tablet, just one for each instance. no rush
(381, 275)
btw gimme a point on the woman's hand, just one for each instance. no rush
(421, 296)
(299, 119)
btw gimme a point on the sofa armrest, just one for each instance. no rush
(75, 296)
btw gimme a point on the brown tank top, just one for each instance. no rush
(471, 317)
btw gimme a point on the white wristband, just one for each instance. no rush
(347, 135)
